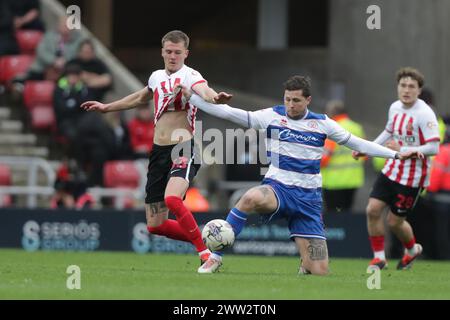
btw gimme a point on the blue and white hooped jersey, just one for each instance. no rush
(295, 147)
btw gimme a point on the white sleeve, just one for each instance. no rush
(383, 137)
(151, 82)
(223, 111)
(335, 132)
(429, 149)
(428, 124)
(369, 148)
(260, 119)
(390, 123)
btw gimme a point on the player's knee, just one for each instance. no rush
(373, 211)
(393, 221)
(318, 269)
(251, 200)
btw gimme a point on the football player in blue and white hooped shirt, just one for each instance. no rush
(291, 188)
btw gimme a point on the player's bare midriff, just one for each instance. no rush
(173, 127)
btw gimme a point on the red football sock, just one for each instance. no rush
(377, 243)
(186, 221)
(171, 229)
(410, 244)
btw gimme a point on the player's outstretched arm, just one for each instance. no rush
(381, 140)
(131, 101)
(209, 95)
(223, 111)
(376, 150)
(429, 149)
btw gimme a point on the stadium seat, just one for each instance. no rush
(38, 93)
(121, 174)
(11, 66)
(43, 118)
(28, 40)
(5, 175)
(5, 180)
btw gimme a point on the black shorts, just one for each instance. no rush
(401, 199)
(184, 163)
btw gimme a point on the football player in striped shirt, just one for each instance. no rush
(292, 187)
(412, 126)
(174, 160)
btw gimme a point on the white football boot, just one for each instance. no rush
(211, 265)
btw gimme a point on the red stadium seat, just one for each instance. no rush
(121, 174)
(28, 40)
(43, 118)
(11, 66)
(5, 180)
(38, 93)
(5, 175)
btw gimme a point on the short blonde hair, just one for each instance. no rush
(176, 36)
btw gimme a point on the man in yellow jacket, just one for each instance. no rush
(341, 174)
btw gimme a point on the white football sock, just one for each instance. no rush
(380, 255)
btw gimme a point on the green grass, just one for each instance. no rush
(110, 275)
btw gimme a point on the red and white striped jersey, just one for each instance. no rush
(413, 126)
(162, 84)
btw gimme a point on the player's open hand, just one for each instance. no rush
(410, 154)
(222, 97)
(356, 155)
(94, 106)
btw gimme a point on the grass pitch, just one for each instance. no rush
(113, 275)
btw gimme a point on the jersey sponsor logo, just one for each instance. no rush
(287, 134)
(410, 139)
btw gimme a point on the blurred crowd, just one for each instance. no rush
(53, 71)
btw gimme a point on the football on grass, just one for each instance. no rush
(218, 235)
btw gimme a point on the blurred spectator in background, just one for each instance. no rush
(120, 136)
(439, 195)
(26, 14)
(341, 174)
(8, 43)
(53, 51)
(71, 188)
(195, 201)
(95, 145)
(91, 139)
(70, 92)
(141, 129)
(94, 72)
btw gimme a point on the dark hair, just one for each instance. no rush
(299, 83)
(427, 96)
(176, 36)
(412, 73)
(88, 42)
